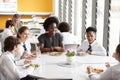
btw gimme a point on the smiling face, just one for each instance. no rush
(24, 35)
(52, 28)
(91, 36)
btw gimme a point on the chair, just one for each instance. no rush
(35, 31)
(71, 46)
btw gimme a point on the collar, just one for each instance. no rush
(93, 43)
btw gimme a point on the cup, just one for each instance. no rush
(38, 52)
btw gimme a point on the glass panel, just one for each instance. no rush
(114, 25)
(100, 20)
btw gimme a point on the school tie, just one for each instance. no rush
(90, 48)
(24, 46)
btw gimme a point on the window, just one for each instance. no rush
(104, 14)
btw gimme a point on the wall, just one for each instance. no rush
(29, 6)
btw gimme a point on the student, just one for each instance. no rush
(25, 47)
(8, 68)
(112, 73)
(8, 31)
(16, 22)
(51, 41)
(68, 38)
(91, 46)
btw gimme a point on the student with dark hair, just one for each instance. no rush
(68, 38)
(91, 46)
(50, 41)
(8, 68)
(8, 31)
(112, 73)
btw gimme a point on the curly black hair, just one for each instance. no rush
(91, 29)
(64, 27)
(49, 21)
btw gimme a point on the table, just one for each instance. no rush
(54, 67)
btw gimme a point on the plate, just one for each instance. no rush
(56, 53)
(31, 56)
(28, 65)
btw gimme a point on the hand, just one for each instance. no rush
(58, 49)
(81, 53)
(89, 69)
(89, 52)
(27, 61)
(107, 64)
(29, 65)
(25, 52)
(23, 55)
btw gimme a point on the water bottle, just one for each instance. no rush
(38, 52)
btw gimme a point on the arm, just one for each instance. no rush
(59, 48)
(107, 75)
(13, 70)
(100, 50)
(43, 49)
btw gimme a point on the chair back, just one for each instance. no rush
(71, 46)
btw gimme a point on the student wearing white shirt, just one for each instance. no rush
(25, 47)
(8, 31)
(112, 73)
(91, 46)
(8, 68)
(68, 38)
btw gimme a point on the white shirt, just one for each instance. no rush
(8, 69)
(7, 32)
(97, 49)
(112, 73)
(69, 38)
(21, 50)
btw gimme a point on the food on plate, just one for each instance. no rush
(97, 70)
(94, 70)
(31, 56)
(36, 65)
(27, 66)
(56, 53)
(33, 65)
